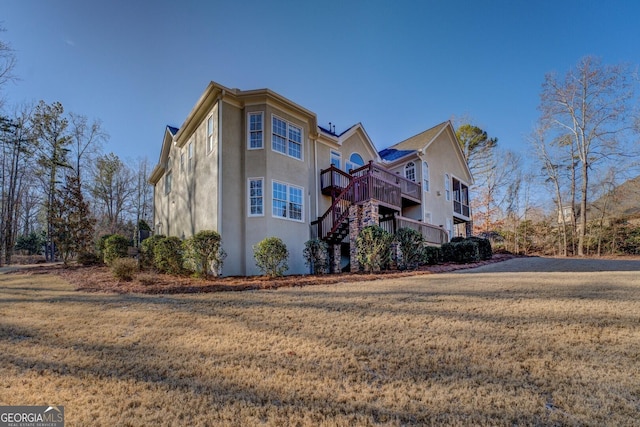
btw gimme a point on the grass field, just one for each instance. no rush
(470, 349)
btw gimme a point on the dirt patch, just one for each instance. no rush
(100, 279)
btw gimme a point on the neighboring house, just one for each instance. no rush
(252, 164)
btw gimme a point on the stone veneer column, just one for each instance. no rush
(336, 254)
(359, 218)
(355, 219)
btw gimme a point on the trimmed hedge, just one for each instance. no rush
(272, 256)
(431, 255)
(410, 242)
(466, 250)
(374, 248)
(316, 255)
(204, 252)
(167, 255)
(147, 250)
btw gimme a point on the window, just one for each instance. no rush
(182, 161)
(286, 138)
(425, 176)
(256, 200)
(336, 158)
(190, 160)
(427, 217)
(287, 201)
(450, 228)
(447, 187)
(168, 178)
(210, 134)
(355, 162)
(410, 171)
(255, 131)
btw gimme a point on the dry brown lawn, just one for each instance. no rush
(493, 347)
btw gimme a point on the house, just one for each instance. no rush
(252, 164)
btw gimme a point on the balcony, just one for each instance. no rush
(373, 182)
(461, 200)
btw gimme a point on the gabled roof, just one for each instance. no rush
(157, 172)
(359, 128)
(417, 144)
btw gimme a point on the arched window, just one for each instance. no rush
(410, 171)
(425, 176)
(355, 161)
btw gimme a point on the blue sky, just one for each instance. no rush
(399, 67)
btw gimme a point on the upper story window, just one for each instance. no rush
(447, 186)
(168, 179)
(425, 176)
(182, 161)
(254, 131)
(210, 134)
(410, 171)
(336, 158)
(355, 162)
(286, 138)
(190, 158)
(256, 196)
(287, 201)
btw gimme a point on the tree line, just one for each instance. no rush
(59, 189)
(582, 147)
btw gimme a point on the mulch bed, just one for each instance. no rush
(100, 279)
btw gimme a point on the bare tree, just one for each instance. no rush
(17, 145)
(87, 139)
(7, 64)
(591, 105)
(113, 188)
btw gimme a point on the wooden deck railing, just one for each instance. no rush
(432, 234)
(334, 178)
(408, 188)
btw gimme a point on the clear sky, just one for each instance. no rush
(399, 67)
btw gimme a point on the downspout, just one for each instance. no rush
(220, 165)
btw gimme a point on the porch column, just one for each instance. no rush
(355, 220)
(335, 254)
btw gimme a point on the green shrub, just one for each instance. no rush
(410, 242)
(124, 268)
(373, 247)
(146, 250)
(271, 256)
(115, 246)
(467, 250)
(484, 246)
(431, 255)
(316, 255)
(88, 258)
(167, 255)
(100, 245)
(204, 251)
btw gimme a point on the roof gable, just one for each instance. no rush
(358, 128)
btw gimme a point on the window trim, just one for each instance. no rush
(249, 205)
(288, 201)
(426, 181)
(250, 132)
(332, 157)
(411, 166)
(286, 138)
(210, 133)
(447, 187)
(168, 182)
(350, 165)
(190, 154)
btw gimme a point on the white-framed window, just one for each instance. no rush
(425, 176)
(427, 218)
(410, 171)
(254, 131)
(287, 201)
(256, 196)
(181, 161)
(355, 162)
(336, 158)
(447, 187)
(286, 138)
(210, 131)
(190, 158)
(168, 180)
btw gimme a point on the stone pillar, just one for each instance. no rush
(370, 213)
(355, 220)
(336, 254)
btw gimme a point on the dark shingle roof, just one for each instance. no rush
(173, 130)
(391, 154)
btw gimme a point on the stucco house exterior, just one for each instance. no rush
(252, 164)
